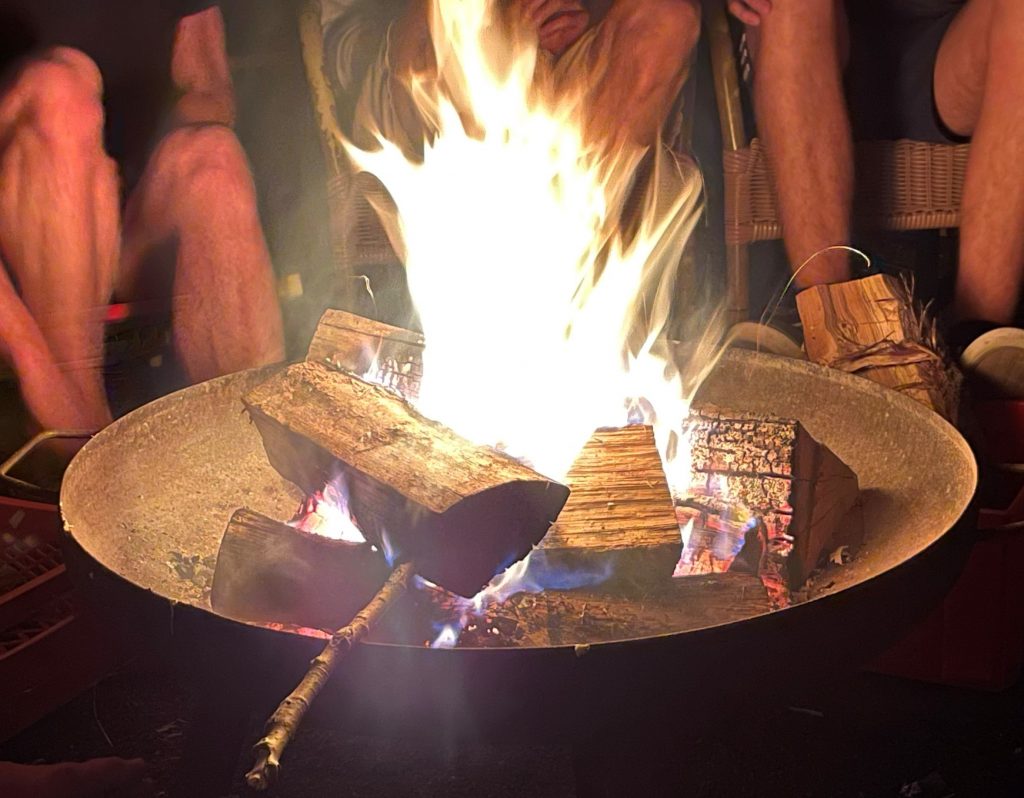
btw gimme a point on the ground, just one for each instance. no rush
(871, 736)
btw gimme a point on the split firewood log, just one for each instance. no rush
(769, 477)
(872, 327)
(461, 511)
(391, 356)
(620, 515)
(269, 571)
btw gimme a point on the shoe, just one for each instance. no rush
(994, 364)
(764, 338)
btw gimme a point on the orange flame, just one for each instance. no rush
(541, 317)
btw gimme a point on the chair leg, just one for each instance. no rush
(737, 287)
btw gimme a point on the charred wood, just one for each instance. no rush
(269, 571)
(767, 478)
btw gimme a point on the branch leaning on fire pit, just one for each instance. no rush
(289, 714)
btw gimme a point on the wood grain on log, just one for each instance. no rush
(271, 572)
(620, 511)
(871, 327)
(461, 511)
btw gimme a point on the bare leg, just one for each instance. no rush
(978, 92)
(58, 236)
(803, 120)
(639, 58)
(197, 199)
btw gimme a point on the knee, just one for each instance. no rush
(665, 33)
(62, 92)
(205, 159)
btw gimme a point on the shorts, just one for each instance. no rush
(890, 76)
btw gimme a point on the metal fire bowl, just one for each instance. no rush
(145, 504)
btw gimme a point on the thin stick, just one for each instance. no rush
(286, 718)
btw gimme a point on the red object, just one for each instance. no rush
(118, 312)
(975, 638)
(51, 648)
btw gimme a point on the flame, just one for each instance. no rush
(542, 318)
(327, 513)
(525, 576)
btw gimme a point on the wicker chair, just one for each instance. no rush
(901, 185)
(358, 241)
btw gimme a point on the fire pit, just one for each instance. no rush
(146, 503)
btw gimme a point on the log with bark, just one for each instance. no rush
(269, 571)
(619, 516)
(761, 478)
(873, 328)
(391, 356)
(462, 512)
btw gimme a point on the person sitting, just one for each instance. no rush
(927, 70)
(632, 54)
(117, 156)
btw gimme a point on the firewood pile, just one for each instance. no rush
(625, 556)
(617, 553)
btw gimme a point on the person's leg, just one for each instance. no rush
(803, 120)
(635, 67)
(196, 199)
(978, 92)
(58, 236)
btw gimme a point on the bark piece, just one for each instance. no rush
(269, 571)
(871, 327)
(619, 515)
(462, 512)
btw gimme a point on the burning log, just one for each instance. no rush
(765, 483)
(871, 327)
(619, 514)
(391, 356)
(289, 714)
(577, 617)
(462, 512)
(269, 571)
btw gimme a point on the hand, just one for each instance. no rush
(559, 23)
(750, 12)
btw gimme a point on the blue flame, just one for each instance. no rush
(530, 575)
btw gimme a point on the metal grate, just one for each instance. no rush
(47, 617)
(22, 559)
